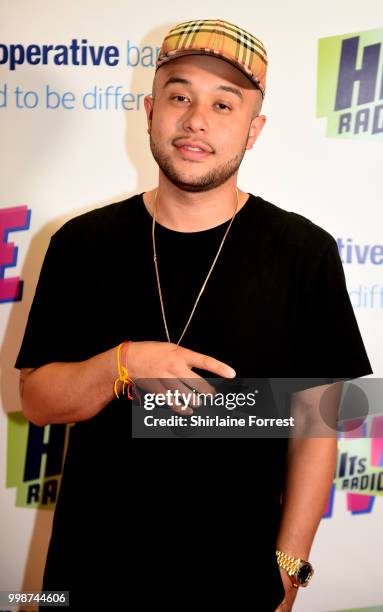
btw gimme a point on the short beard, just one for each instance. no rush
(212, 179)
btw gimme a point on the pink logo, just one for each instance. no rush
(356, 502)
(11, 220)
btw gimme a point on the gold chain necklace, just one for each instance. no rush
(155, 258)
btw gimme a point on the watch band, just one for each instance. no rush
(299, 570)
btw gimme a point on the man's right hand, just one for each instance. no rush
(159, 366)
(67, 392)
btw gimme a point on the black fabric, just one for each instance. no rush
(276, 305)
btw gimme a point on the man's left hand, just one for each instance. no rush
(290, 593)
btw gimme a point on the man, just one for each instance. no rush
(190, 279)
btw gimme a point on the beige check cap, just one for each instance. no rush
(220, 39)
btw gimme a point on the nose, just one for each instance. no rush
(195, 119)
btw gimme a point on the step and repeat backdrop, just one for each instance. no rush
(73, 137)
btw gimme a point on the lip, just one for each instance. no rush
(182, 145)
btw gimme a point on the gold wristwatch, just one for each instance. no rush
(299, 571)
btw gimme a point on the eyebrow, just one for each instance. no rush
(233, 90)
(175, 79)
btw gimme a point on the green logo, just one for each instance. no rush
(35, 458)
(350, 84)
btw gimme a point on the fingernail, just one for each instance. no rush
(231, 373)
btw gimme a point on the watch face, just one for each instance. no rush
(304, 573)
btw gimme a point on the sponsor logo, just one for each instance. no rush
(11, 220)
(350, 84)
(35, 458)
(76, 53)
(358, 254)
(352, 253)
(359, 470)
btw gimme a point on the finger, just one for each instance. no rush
(198, 383)
(210, 364)
(152, 385)
(156, 387)
(184, 401)
(182, 411)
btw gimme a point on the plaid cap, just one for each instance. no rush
(220, 39)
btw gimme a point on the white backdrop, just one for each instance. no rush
(61, 162)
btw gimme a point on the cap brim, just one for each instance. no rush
(183, 52)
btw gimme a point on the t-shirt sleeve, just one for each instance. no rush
(329, 343)
(55, 326)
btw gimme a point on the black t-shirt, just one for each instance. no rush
(276, 305)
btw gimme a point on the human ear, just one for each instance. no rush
(148, 103)
(256, 127)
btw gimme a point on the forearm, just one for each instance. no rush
(310, 471)
(69, 392)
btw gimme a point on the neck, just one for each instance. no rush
(185, 211)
